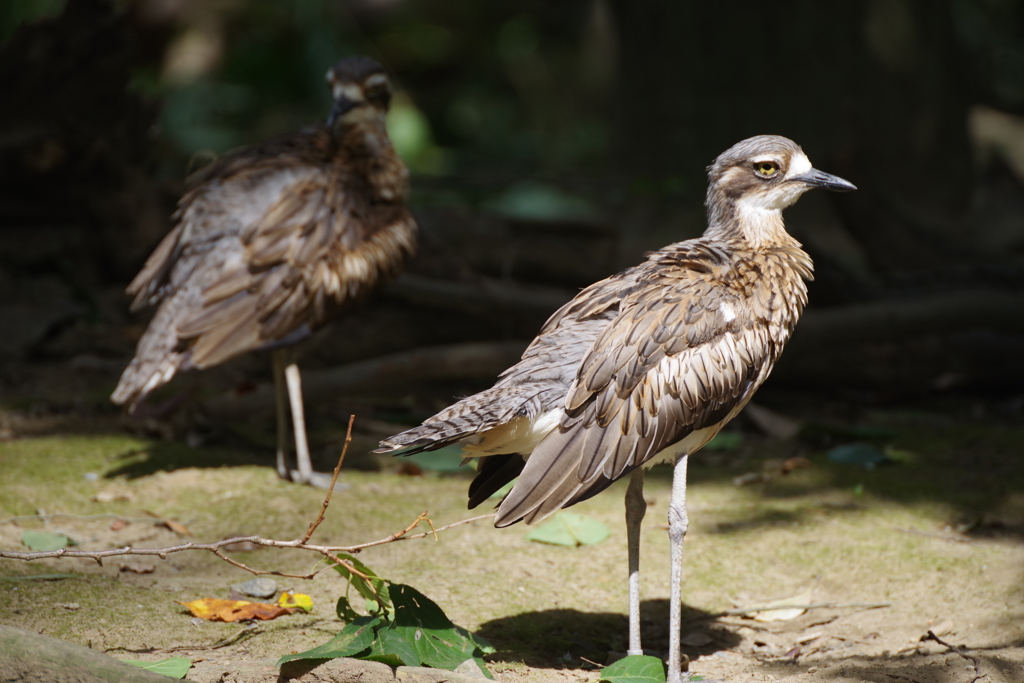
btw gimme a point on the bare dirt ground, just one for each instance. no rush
(930, 542)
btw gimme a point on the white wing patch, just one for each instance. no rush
(520, 435)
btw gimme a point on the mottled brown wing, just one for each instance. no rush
(314, 250)
(235, 173)
(535, 384)
(682, 356)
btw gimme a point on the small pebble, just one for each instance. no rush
(258, 588)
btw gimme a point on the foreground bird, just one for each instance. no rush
(273, 240)
(647, 365)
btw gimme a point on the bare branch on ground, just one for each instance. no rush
(330, 552)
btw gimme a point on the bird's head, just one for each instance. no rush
(762, 174)
(361, 89)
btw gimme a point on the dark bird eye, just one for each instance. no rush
(376, 91)
(766, 169)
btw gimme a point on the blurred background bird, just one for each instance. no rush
(647, 365)
(271, 242)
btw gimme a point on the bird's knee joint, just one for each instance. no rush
(678, 522)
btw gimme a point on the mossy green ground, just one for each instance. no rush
(937, 537)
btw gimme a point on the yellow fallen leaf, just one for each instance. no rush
(297, 600)
(215, 609)
(780, 610)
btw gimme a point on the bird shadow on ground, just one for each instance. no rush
(565, 638)
(166, 456)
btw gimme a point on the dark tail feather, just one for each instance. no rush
(495, 471)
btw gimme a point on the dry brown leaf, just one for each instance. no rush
(215, 609)
(137, 567)
(176, 527)
(794, 463)
(118, 524)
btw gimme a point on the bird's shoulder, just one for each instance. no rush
(311, 145)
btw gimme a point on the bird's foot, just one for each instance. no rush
(320, 480)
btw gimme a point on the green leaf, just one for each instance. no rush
(375, 590)
(421, 632)
(345, 611)
(174, 667)
(569, 529)
(42, 541)
(397, 642)
(485, 647)
(352, 640)
(861, 454)
(378, 653)
(635, 669)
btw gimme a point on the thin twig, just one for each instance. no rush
(974, 660)
(251, 629)
(330, 552)
(334, 479)
(433, 532)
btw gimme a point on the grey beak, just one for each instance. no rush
(338, 109)
(825, 181)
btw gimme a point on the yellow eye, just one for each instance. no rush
(766, 169)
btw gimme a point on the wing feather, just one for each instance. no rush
(669, 365)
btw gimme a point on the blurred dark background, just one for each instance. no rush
(551, 144)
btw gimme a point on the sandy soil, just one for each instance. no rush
(931, 542)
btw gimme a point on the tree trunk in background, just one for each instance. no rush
(842, 79)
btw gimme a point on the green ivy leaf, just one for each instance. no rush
(352, 640)
(174, 667)
(635, 669)
(43, 541)
(569, 529)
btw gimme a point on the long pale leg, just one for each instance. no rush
(677, 523)
(305, 473)
(636, 507)
(280, 360)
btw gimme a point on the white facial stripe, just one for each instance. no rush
(767, 158)
(350, 92)
(376, 79)
(799, 165)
